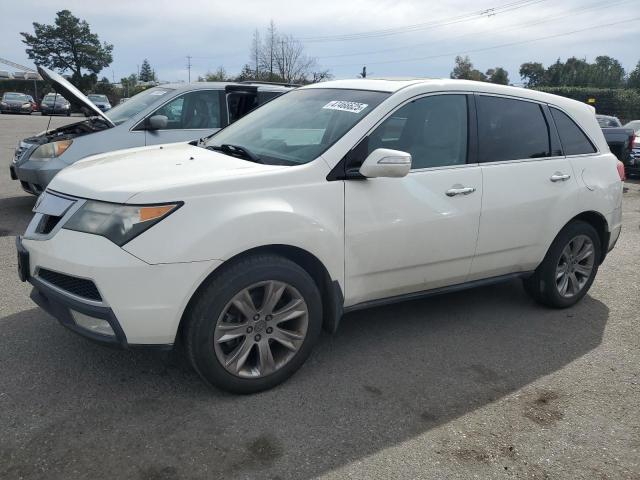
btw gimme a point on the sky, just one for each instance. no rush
(393, 38)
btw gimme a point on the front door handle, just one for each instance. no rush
(559, 177)
(452, 192)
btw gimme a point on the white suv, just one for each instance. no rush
(334, 197)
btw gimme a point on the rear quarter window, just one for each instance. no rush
(573, 139)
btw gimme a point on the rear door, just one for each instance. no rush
(190, 116)
(528, 185)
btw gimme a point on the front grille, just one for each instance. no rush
(80, 287)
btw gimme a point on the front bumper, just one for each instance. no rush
(15, 109)
(54, 110)
(35, 176)
(142, 303)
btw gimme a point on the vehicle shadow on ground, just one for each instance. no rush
(15, 214)
(388, 375)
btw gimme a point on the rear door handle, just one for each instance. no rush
(559, 177)
(452, 192)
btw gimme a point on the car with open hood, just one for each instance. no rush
(164, 114)
(332, 198)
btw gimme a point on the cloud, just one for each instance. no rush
(218, 32)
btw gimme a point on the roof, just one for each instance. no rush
(221, 85)
(381, 85)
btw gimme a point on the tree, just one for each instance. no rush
(498, 75)
(634, 78)
(68, 45)
(268, 51)
(293, 65)
(147, 74)
(464, 70)
(256, 47)
(607, 72)
(220, 75)
(533, 74)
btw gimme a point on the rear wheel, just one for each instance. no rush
(254, 324)
(569, 268)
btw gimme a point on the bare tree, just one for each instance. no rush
(293, 65)
(256, 48)
(269, 50)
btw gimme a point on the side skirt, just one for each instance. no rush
(436, 291)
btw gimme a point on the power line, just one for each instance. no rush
(487, 12)
(475, 50)
(574, 11)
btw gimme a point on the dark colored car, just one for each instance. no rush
(14, 102)
(53, 104)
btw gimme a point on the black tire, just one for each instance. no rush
(542, 287)
(205, 310)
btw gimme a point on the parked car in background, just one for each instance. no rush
(633, 124)
(100, 101)
(34, 104)
(620, 141)
(122, 100)
(15, 102)
(55, 104)
(606, 121)
(336, 197)
(633, 166)
(166, 114)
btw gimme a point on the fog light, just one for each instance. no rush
(96, 325)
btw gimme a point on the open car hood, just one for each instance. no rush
(71, 93)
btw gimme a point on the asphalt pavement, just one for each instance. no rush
(477, 384)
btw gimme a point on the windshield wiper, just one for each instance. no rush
(236, 151)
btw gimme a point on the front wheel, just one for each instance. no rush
(254, 324)
(569, 268)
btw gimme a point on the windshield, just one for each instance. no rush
(15, 96)
(608, 122)
(50, 97)
(98, 98)
(124, 111)
(299, 126)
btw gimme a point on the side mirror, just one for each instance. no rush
(157, 122)
(383, 162)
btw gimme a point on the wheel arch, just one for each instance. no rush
(600, 224)
(330, 290)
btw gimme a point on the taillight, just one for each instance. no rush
(620, 167)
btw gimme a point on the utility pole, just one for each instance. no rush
(363, 74)
(189, 66)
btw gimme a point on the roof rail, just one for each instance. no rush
(281, 84)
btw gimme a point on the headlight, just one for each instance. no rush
(26, 104)
(3, 104)
(50, 150)
(118, 223)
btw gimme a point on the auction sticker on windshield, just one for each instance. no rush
(353, 107)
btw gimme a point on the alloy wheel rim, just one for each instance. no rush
(261, 329)
(575, 266)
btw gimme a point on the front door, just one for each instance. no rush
(189, 117)
(405, 235)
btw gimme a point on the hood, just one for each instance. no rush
(118, 176)
(71, 93)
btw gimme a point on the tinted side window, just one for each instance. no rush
(511, 129)
(432, 129)
(573, 139)
(194, 110)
